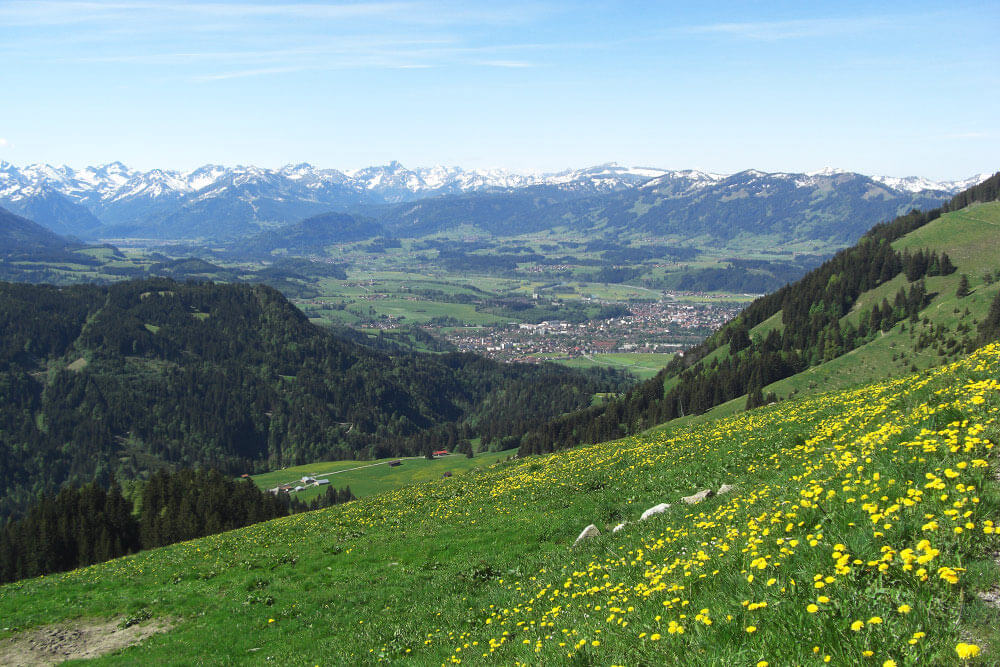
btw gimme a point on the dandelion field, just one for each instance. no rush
(860, 529)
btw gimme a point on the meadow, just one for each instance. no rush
(642, 365)
(367, 478)
(861, 527)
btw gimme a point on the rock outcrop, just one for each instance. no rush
(589, 532)
(654, 510)
(696, 498)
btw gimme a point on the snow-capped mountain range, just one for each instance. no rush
(115, 181)
(114, 200)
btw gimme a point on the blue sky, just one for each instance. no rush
(908, 88)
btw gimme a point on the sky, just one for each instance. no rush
(897, 88)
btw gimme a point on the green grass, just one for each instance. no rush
(772, 323)
(367, 478)
(642, 365)
(419, 311)
(480, 567)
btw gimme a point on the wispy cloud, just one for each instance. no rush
(791, 29)
(242, 74)
(61, 13)
(268, 37)
(506, 63)
(53, 12)
(353, 46)
(348, 52)
(4, 143)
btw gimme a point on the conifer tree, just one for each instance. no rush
(963, 287)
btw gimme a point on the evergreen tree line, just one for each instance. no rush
(811, 310)
(83, 525)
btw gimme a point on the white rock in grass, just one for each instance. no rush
(654, 510)
(589, 532)
(724, 489)
(619, 527)
(698, 497)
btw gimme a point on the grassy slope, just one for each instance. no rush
(367, 478)
(971, 237)
(839, 489)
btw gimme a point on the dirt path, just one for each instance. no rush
(76, 640)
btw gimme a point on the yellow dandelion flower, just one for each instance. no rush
(966, 651)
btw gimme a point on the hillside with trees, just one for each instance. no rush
(89, 524)
(20, 236)
(122, 380)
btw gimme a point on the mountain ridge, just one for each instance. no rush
(113, 199)
(687, 206)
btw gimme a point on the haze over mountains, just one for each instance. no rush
(217, 203)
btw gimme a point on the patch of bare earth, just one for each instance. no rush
(990, 597)
(78, 640)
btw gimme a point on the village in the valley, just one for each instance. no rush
(655, 326)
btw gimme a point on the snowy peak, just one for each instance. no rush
(683, 181)
(919, 184)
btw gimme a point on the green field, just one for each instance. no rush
(859, 530)
(367, 478)
(643, 365)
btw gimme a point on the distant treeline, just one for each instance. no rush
(811, 310)
(83, 525)
(743, 275)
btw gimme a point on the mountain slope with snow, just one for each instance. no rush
(217, 202)
(689, 206)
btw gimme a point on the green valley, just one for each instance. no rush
(367, 478)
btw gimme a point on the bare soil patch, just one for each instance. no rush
(76, 640)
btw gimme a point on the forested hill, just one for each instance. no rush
(19, 236)
(895, 285)
(310, 235)
(128, 378)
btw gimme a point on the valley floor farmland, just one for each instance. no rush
(370, 477)
(860, 528)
